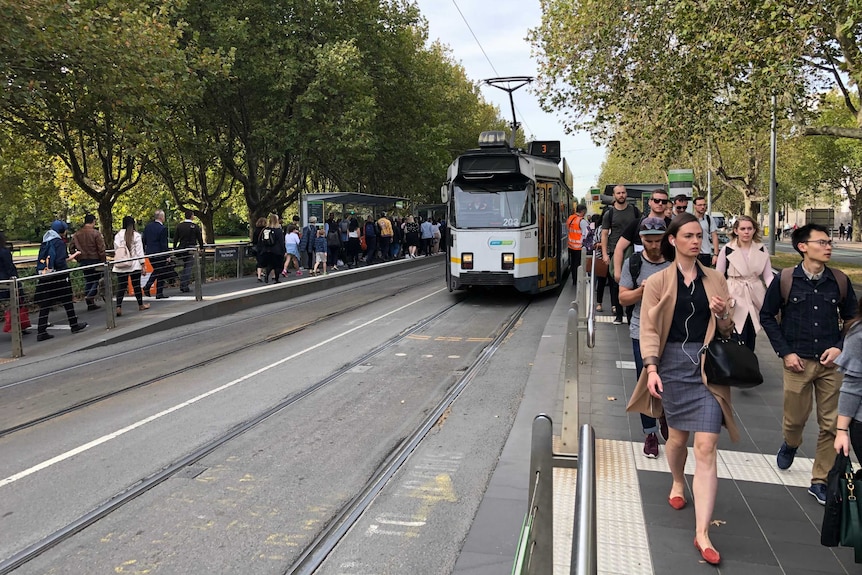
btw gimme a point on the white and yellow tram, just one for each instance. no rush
(507, 212)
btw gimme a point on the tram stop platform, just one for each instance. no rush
(765, 522)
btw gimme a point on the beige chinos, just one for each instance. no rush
(822, 384)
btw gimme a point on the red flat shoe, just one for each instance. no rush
(676, 502)
(709, 554)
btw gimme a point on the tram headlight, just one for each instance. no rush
(466, 261)
(508, 261)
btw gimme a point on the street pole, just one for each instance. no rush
(773, 146)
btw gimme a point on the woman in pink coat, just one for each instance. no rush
(746, 265)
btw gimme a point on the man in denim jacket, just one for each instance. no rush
(809, 339)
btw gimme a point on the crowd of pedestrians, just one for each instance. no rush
(340, 243)
(87, 247)
(678, 289)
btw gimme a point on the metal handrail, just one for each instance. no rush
(584, 539)
(591, 308)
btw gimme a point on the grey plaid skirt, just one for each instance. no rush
(688, 403)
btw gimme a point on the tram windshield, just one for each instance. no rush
(483, 206)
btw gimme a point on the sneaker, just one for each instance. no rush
(785, 456)
(44, 336)
(662, 427)
(618, 321)
(818, 490)
(80, 326)
(651, 446)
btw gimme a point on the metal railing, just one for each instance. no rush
(22, 290)
(535, 554)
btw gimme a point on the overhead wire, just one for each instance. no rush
(490, 63)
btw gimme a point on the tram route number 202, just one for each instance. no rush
(511, 222)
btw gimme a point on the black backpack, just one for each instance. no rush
(267, 237)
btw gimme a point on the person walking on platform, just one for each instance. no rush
(353, 243)
(128, 268)
(306, 242)
(91, 244)
(684, 306)
(426, 229)
(813, 301)
(635, 270)
(321, 250)
(631, 236)
(369, 232)
(259, 225)
(848, 429)
(601, 268)
(412, 233)
(187, 235)
(616, 219)
(274, 248)
(577, 228)
(746, 265)
(291, 246)
(385, 239)
(55, 288)
(709, 246)
(155, 240)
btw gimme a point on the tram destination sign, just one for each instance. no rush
(488, 164)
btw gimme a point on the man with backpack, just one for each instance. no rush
(631, 238)
(615, 221)
(634, 272)
(578, 228)
(813, 300)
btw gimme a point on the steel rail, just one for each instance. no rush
(143, 485)
(316, 553)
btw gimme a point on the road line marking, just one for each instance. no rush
(110, 436)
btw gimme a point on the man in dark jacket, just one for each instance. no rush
(306, 242)
(155, 240)
(188, 234)
(808, 340)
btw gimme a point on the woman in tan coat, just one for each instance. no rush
(746, 265)
(682, 307)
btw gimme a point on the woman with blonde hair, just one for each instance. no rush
(746, 265)
(130, 266)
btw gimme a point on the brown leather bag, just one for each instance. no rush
(601, 267)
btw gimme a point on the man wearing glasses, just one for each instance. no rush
(808, 339)
(657, 203)
(680, 204)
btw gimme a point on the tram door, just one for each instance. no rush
(547, 250)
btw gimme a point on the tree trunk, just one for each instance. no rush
(207, 227)
(106, 223)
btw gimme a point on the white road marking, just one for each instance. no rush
(106, 438)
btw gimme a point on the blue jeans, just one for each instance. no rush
(648, 423)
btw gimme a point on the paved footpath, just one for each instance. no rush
(765, 522)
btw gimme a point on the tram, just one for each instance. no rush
(506, 212)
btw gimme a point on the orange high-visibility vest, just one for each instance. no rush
(576, 239)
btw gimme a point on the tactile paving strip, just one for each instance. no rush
(620, 530)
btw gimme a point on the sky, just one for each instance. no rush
(501, 27)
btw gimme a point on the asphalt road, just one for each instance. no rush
(252, 505)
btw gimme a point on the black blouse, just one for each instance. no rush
(691, 313)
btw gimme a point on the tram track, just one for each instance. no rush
(320, 548)
(314, 555)
(152, 348)
(390, 465)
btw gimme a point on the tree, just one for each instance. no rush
(85, 79)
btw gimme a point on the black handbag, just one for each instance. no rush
(830, 529)
(730, 362)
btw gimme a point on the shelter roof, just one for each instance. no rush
(354, 198)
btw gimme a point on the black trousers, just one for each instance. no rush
(574, 263)
(159, 275)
